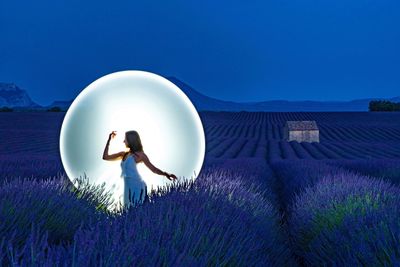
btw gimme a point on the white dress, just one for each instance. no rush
(135, 189)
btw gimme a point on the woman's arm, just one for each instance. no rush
(115, 156)
(153, 168)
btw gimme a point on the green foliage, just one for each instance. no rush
(383, 105)
(54, 109)
(6, 109)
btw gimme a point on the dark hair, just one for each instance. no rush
(133, 140)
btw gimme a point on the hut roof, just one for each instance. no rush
(301, 125)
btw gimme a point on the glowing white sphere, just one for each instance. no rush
(169, 126)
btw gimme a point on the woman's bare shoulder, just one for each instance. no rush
(141, 154)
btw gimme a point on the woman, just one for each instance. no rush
(135, 190)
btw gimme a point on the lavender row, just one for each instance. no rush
(346, 219)
(194, 224)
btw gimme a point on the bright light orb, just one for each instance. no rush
(169, 126)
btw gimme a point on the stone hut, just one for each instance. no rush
(301, 131)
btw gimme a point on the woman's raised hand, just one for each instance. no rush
(112, 134)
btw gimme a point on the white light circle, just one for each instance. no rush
(169, 126)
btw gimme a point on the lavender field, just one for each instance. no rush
(258, 201)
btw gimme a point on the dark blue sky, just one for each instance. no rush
(231, 50)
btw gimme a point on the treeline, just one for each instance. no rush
(52, 109)
(5, 109)
(383, 105)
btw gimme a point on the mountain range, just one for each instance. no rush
(18, 99)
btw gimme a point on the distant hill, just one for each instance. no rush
(18, 99)
(203, 102)
(13, 96)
